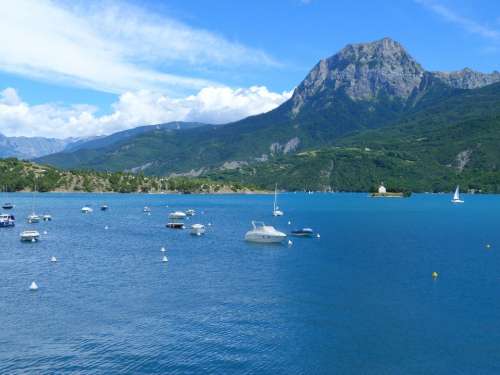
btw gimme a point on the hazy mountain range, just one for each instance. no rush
(369, 96)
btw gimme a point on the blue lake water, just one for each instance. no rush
(359, 300)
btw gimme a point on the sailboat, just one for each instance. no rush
(456, 196)
(33, 218)
(276, 209)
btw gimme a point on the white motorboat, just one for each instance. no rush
(146, 209)
(30, 236)
(7, 220)
(264, 233)
(175, 224)
(197, 229)
(47, 217)
(177, 215)
(33, 218)
(87, 210)
(190, 212)
(276, 209)
(456, 196)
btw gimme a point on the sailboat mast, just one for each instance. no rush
(275, 193)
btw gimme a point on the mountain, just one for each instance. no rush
(453, 141)
(103, 141)
(363, 87)
(31, 147)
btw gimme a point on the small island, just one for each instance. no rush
(383, 193)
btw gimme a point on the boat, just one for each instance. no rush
(7, 220)
(7, 206)
(87, 210)
(264, 233)
(179, 215)
(104, 207)
(175, 224)
(303, 232)
(30, 236)
(190, 212)
(47, 217)
(33, 218)
(456, 196)
(146, 209)
(197, 229)
(276, 209)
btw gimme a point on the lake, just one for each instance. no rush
(358, 300)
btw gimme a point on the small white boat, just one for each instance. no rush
(33, 218)
(175, 224)
(276, 209)
(30, 236)
(264, 233)
(190, 212)
(33, 286)
(197, 229)
(177, 215)
(146, 209)
(456, 196)
(47, 217)
(87, 210)
(7, 220)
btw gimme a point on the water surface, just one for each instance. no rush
(359, 300)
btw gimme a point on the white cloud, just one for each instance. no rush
(468, 24)
(113, 47)
(211, 104)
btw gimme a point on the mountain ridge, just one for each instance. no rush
(364, 86)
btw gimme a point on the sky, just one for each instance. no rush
(84, 68)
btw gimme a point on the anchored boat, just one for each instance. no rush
(262, 233)
(197, 229)
(276, 209)
(7, 220)
(303, 232)
(30, 236)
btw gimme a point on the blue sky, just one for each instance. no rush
(77, 69)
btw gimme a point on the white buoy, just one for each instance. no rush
(162, 249)
(53, 259)
(289, 222)
(106, 227)
(33, 240)
(164, 259)
(318, 236)
(33, 286)
(209, 224)
(290, 243)
(44, 232)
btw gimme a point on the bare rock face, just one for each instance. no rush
(362, 72)
(467, 78)
(367, 71)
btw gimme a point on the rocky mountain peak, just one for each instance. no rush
(362, 71)
(467, 78)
